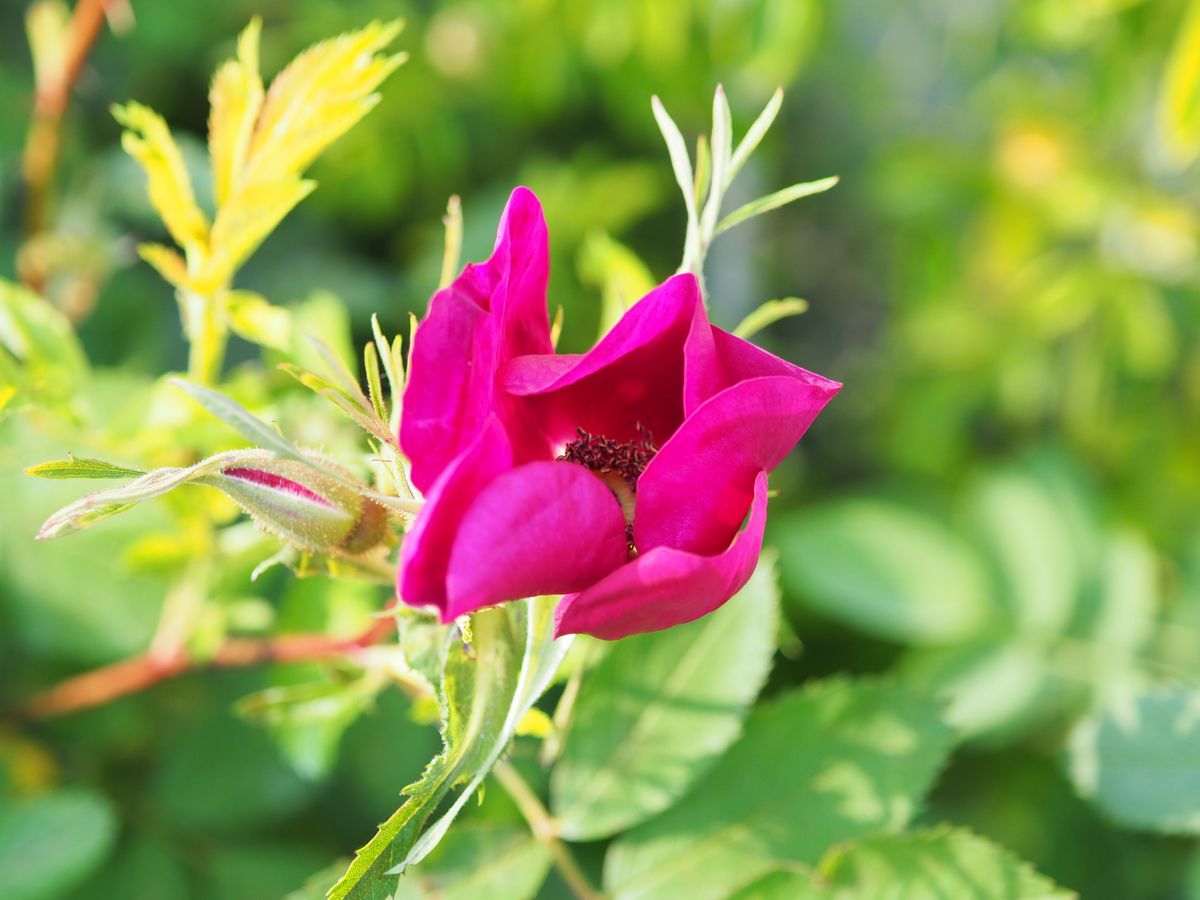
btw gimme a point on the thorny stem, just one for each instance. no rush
(50, 103)
(111, 682)
(545, 829)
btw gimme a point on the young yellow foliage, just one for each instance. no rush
(235, 100)
(1179, 100)
(259, 145)
(148, 140)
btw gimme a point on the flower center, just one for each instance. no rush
(618, 463)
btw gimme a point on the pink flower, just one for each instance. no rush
(620, 478)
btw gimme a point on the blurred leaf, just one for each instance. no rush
(143, 869)
(256, 871)
(40, 355)
(768, 314)
(485, 691)
(53, 842)
(240, 419)
(774, 201)
(1031, 534)
(81, 467)
(931, 865)
(1139, 760)
(815, 767)
(622, 277)
(480, 859)
(308, 720)
(1179, 94)
(224, 774)
(253, 317)
(884, 568)
(659, 709)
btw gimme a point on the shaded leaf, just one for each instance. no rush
(52, 842)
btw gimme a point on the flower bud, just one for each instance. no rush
(303, 505)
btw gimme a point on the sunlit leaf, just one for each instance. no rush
(754, 135)
(815, 767)
(659, 708)
(774, 201)
(235, 99)
(486, 690)
(148, 140)
(619, 273)
(253, 317)
(81, 467)
(931, 865)
(768, 314)
(1179, 95)
(1139, 760)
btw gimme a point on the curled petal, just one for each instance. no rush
(493, 311)
(694, 493)
(541, 528)
(633, 376)
(666, 587)
(425, 554)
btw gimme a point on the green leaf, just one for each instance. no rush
(659, 709)
(480, 859)
(240, 419)
(774, 201)
(486, 690)
(95, 507)
(81, 467)
(40, 356)
(53, 842)
(1179, 96)
(1031, 535)
(768, 314)
(932, 865)
(253, 317)
(754, 135)
(722, 153)
(1139, 761)
(889, 570)
(620, 274)
(821, 765)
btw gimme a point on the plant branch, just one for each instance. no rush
(129, 676)
(545, 829)
(52, 96)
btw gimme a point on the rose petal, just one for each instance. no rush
(666, 587)
(694, 493)
(425, 553)
(542, 528)
(633, 376)
(493, 311)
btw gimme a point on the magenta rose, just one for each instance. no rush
(631, 478)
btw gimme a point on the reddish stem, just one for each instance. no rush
(129, 676)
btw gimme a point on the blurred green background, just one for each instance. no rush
(1004, 501)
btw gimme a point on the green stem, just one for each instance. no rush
(207, 331)
(545, 829)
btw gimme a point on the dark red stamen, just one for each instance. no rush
(604, 455)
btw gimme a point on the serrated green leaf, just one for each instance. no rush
(1139, 761)
(658, 710)
(821, 765)
(768, 314)
(932, 865)
(774, 201)
(485, 691)
(81, 467)
(890, 570)
(51, 843)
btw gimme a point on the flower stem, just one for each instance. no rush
(545, 829)
(204, 323)
(129, 676)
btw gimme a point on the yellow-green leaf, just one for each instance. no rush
(148, 140)
(254, 318)
(235, 98)
(770, 313)
(166, 262)
(1179, 97)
